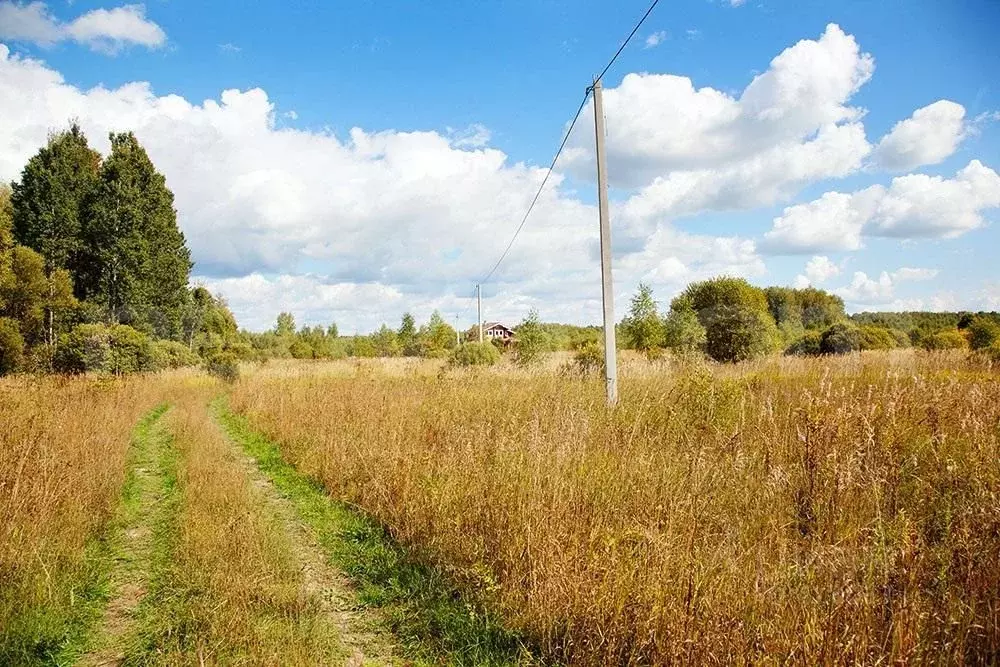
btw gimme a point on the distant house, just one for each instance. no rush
(496, 331)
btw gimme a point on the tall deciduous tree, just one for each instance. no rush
(407, 336)
(643, 327)
(531, 341)
(136, 263)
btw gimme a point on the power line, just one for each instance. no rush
(565, 139)
(540, 187)
(627, 40)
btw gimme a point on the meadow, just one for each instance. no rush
(813, 510)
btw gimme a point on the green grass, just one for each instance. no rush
(423, 609)
(58, 631)
(158, 611)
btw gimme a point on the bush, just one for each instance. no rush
(474, 354)
(808, 344)
(589, 358)
(682, 332)
(301, 350)
(11, 346)
(946, 339)
(875, 338)
(531, 341)
(738, 324)
(983, 333)
(117, 349)
(224, 366)
(902, 338)
(840, 338)
(171, 354)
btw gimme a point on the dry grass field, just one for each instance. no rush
(833, 510)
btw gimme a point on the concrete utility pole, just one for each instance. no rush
(607, 288)
(479, 307)
(458, 340)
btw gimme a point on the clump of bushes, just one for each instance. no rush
(117, 349)
(947, 339)
(982, 333)
(474, 354)
(840, 338)
(807, 345)
(589, 358)
(11, 346)
(224, 366)
(171, 354)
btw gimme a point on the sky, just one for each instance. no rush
(351, 161)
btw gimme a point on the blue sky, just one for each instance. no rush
(458, 105)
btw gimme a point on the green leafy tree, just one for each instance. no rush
(531, 340)
(982, 332)
(136, 262)
(437, 337)
(285, 326)
(407, 336)
(386, 342)
(808, 344)
(738, 324)
(682, 332)
(331, 331)
(24, 293)
(643, 327)
(49, 202)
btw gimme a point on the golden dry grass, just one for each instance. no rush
(63, 450)
(831, 511)
(229, 590)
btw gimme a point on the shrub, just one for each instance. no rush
(983, 333)
(589, 358)
(474, 354)
(171, 354)
(224, 366)
(946, 339)
(902, 338)
(738, 324)
(117, 349)
(871, 337)
(808, 344)
(11, 346)
(682, 332)
(301, 350)
(531, 341)
(840, 338)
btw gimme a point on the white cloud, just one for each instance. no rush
(818, 270)
(929, 136)
(881, 291)
(913, 206)
(661, 123)
(656, 39)
(229, 47)
(104, 30)
(736, 3)
(908, 273)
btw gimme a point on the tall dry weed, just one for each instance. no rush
(818, 510)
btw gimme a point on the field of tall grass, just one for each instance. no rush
(821, 510)
(63, 451)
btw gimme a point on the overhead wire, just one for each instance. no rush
(565, 139)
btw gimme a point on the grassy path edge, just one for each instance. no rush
(105, 550)
(425, 612)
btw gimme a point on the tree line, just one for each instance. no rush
(94, 270)
(730, 320)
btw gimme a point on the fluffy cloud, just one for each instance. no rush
(661, 124)
(105, 30)
(929, 136)
(913, 206)
(818, 270)
(881, 291)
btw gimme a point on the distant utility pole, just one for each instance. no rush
(479, 307)
(458, 341)
(607, 291)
